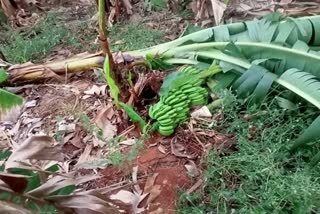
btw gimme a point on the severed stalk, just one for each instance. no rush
(28, 72)
(103, 38)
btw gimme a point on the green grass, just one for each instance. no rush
(53, 31)
(259, 177)
(126, 37)
(37, 42)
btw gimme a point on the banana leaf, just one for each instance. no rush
(273, 28)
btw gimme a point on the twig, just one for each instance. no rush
(197, 139)
(195, 186)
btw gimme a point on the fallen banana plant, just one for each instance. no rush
(257, 54)
(56, 69)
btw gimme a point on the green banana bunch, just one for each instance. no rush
(174, 108)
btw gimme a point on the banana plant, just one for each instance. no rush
(8, 100)
(257, 55)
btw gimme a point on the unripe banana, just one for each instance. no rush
(185, 87)
(177, 100)
(166, 132)
(197, 82)
(172, 112)
(190, 70)
(200, 101)
(195, 96)
(167, 122)
(183, 104)
(151, 112)
(203, 91)
(174, 108)
(164, 117)
(166, 128)
(172, 96)
(162, 111)
(182, 118)
(191, 90)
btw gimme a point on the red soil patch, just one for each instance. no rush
(172, 175)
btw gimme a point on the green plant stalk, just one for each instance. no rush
(215, 104)
(259, 46)
(114, 89)
(103, 35)
(240, 27)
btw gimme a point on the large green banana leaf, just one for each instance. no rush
(273, 28)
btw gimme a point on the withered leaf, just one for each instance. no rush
(35, 147)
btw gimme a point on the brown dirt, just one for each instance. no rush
(172, 176)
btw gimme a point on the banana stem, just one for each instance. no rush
(27, 72)
(103, 35)
(215, 104)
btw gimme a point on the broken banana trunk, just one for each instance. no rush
(56, 69)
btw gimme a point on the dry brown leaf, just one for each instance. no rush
(93, 164)
(195, 186)
(177, 149)
(66, 128)
(157, 211)
(202, 112)
(128, 142)
(137, 200)
(192, 169)
(123, 196)
(285, 2)
(96, 90)
(85, 200)
(10, 116)
(218, 9)
(8, 8)
(31, 103)
(11, 208)
(135, 179)
(102, 120)
(53, 184)
(85, 154)
(36, 147)
(154, 193)
(58, 182)
(162, 149)
(150, 182)
(93, 90)
(91, 159)
(68, 137)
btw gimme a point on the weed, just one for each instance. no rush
(156, 5)
(89, 127)
(133, 36)
(259, 177)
